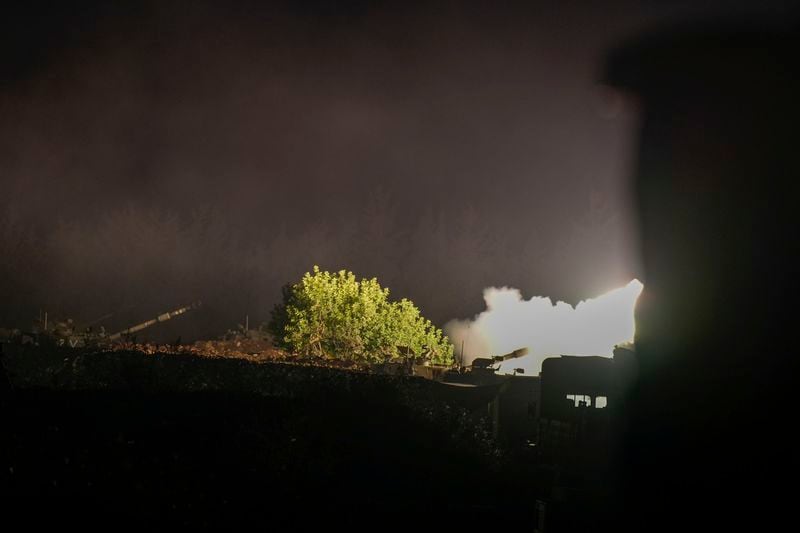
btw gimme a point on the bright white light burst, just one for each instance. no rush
(593, 327)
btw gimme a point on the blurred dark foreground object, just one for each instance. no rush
(710, 444)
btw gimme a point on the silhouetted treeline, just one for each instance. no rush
(136, 262)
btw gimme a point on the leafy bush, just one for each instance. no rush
(334, 315)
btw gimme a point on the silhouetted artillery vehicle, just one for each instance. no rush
(65, 333)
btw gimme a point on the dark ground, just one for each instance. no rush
(354, 449)
(215, 459)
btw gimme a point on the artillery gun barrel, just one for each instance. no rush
(160, 318)
(484, 363)
(511, 355)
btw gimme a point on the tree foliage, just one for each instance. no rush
(332, 314)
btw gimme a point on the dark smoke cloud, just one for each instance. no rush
(156, 153)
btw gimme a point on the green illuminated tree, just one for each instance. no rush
(332, 314)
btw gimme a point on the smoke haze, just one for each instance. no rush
(157, 153)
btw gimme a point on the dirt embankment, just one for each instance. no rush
(184, 439)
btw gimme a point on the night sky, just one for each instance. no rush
(157, 153)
